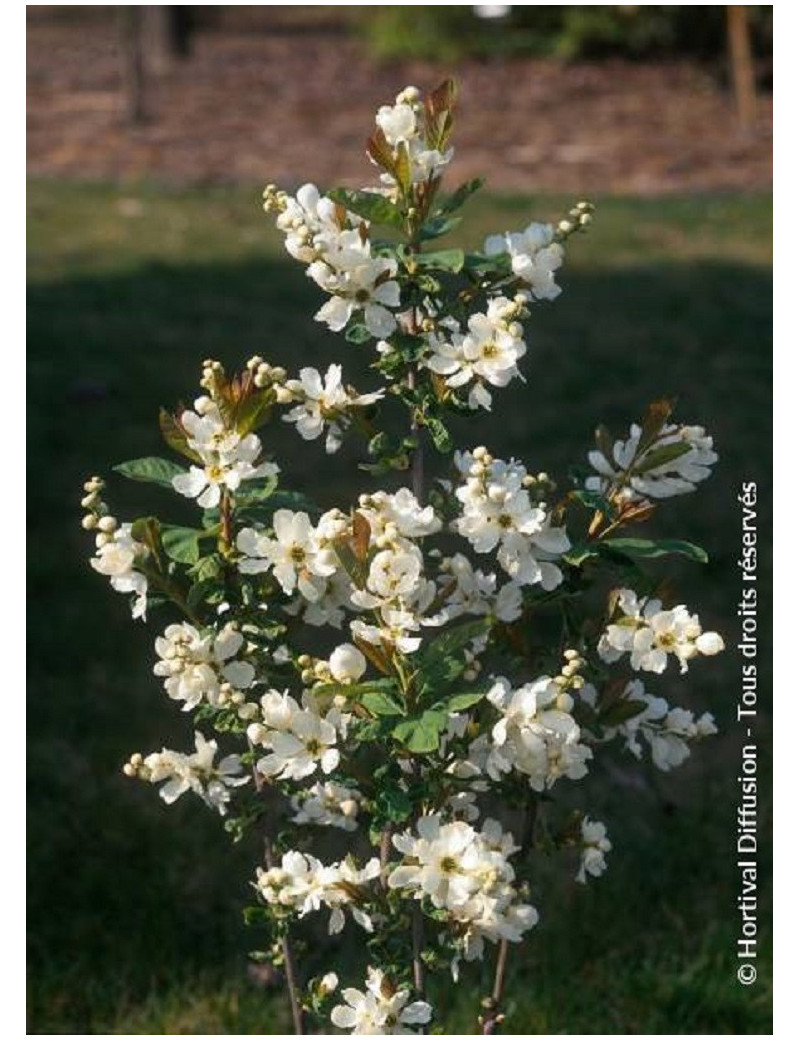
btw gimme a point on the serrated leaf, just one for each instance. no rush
(442, 260)
(593, 500)
(461, 701)
(379, 702)
(379, 149)
(437, 226)
(358, 334)
(150, 470)
(372, 207)
(249, 494)
(440, 435)
(421, 735)
(376, 655)
(182, 544)
(644, 548)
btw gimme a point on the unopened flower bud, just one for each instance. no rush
(107, 524)
(89, 522)
(304, 660)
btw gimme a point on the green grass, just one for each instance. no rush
(134, 909)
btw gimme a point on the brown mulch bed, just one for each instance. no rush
(297, 105)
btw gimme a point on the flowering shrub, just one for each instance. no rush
(430, 736)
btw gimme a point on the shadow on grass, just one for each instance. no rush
(128, 901)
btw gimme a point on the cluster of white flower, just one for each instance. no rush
(298, 555)
(336, 247)
(227, 457)
(327, 805)
(403, 127)
(650, 634)
(535, 257)
(486, 353)
(324, 405)
(303, 884)
(536, 735)
(594, 846)
(396, 590)
(497, 513)
(469, 591)
(117, 554)
(381, 1010)
(299, 739)
(195, 772)
(467, 873)
(667, 731)
(197, 667)
(655, 472)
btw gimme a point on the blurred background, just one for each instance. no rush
(151, 133)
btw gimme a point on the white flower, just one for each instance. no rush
(327, 805)
(347, 663)
(308, 744)
(324, 404)
(398, 122)
(195, 772)
(194, 666)
(228, 459)
(497, 512)
(667, 731)
(380, 1010)
(536, 734)
(116, 558)
(594, 846)
(303, 884)
(639, 476)
(535, 257)
(466, 873)
(309, 222)
(357, 282)
(650, 634)
(295, 556)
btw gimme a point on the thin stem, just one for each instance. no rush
(385, 853)
(290, 969)
(493, 1020)
(418, 944)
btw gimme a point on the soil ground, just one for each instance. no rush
(292, 100)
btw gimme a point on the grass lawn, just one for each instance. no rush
(134, 909)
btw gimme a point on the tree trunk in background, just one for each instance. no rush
(157, 38)
(132, 63)
(742, 72)
(181, 26)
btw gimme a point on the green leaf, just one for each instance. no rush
(393, 804)
(147, 530)
(461, 701)
(182, 544)
(642, 547)
(251, 492)
(593, 500)
(358, 334)
(440, 435)
(372, 207)
(151, 470)
(450, 642)
(660, 456)
(201, 591)
(581, 552)
(435, 227)
(421, 735)
(460, 195)
(442, 260)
